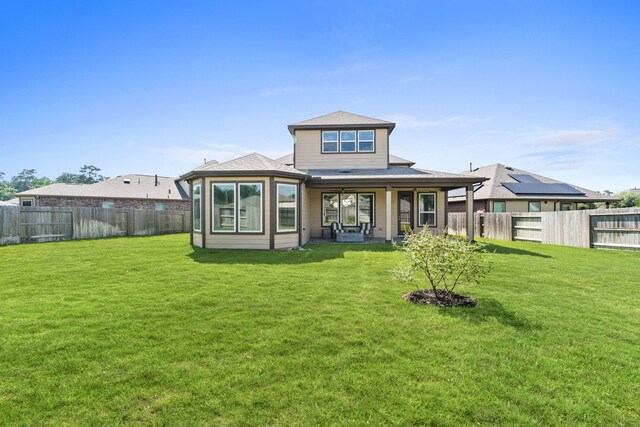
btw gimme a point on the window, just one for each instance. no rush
(26, 203)
(330, 141)
(366, 141)
(197, 189)
(224, 208)
(348, 141)
(160, 207)
(534, 206)
(250, 207)
(330, 209)
(287, 207)
(500, 206)
(365, 208)
(237, 207)
(107, 205)
(565, 206)
(427, 209)
(350, 209)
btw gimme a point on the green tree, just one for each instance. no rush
(89, 174)
(27, 180)
(69, 178)
(627, 200)
(6, 190)
(443, 261)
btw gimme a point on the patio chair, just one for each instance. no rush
(336, 228)
(365, 228)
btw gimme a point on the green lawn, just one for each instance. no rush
(151, 331)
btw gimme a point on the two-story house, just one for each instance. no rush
(340, 172)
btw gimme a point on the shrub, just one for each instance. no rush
(443, 260)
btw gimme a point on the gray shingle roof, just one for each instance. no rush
(139, 187)
(499, 173)
(287, 159)
(341, 119)
(395, 160)
(253, 162)
(393, 172)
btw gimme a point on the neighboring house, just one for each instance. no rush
(634, 190)
(11, 202)
(340, 172)
(128, 191)
(510, 189)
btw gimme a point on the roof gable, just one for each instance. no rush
(342, 119)
(251, 163)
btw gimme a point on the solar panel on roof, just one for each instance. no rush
(542, 189)
(528, 179)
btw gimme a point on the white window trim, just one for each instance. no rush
(357, 141)
(434, 211)
(213, 207)
(30, 199)
(373, 141)
(199, 229)
(354, 141)
(295, 217)
(500, 201)
(373, 208)
(261, 206)
(340, 219)
(337, 141)
(529, 206)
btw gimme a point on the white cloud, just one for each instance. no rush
(410, 79)
(348, 69)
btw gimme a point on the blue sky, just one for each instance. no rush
(156, 87)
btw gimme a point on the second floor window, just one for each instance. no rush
(348, 141)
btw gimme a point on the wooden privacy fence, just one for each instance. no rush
(42, 224)
(602, 229)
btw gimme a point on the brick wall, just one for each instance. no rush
(72, 202)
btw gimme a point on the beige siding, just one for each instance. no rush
(379, 231)
(236, 241)
(197, 239)
(308, 153)
(440, 209)
(305, 227)
(289, 240)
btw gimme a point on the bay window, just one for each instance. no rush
(237, 207)
(197, 189)
(287, 207)
(427, 209)
(224, 207)
(250, 207)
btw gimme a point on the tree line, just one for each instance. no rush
(28, 179)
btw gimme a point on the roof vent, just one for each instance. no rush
(127, 181)
(509, 168)
(345, 170)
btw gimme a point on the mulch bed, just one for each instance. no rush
(445, 299)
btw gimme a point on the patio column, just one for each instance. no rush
(470, 221)
(388, 216)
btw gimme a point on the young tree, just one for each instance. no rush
(443, 261)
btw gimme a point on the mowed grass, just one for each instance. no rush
(153, 331)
